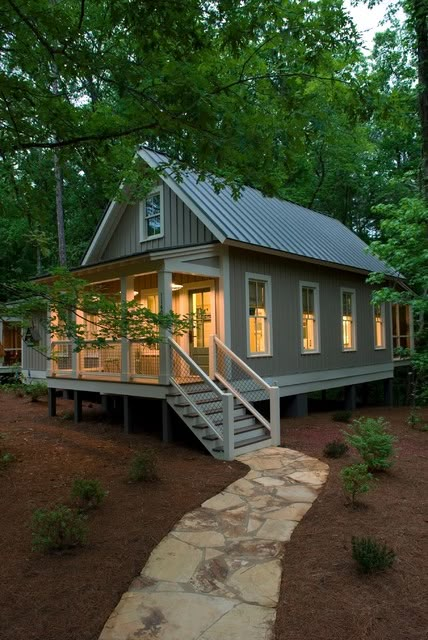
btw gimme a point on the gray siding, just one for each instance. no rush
(181, 228)
(36, 359)
(286, 337)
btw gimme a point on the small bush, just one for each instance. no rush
(16, 388)
(415, 421)
(370, 438)
(36, 390)
(371, 555)
(143, 467)
(58, 529)
(88, 493)
(6, 459)
(342, 416)
(356, 479)
(335, 449)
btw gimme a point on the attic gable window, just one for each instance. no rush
(151, 216)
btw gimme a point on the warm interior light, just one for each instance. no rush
(176, 287)
(136, 293)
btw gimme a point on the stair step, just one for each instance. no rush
(244, 443)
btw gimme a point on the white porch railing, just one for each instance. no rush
(246, 384)
(203, 395)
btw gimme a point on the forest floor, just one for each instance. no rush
(70, 596)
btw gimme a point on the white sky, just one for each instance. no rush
(368, 20)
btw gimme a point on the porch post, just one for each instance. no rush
(165, 305)
(126, 295)
(275, 423)
(228, 427)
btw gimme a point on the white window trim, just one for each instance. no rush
(268, 280)
(383, 316)
(142, 212)
(411, 334)
(316, 288)
(354, 319)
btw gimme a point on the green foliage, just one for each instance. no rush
(356, 480)
(335, 449)
(415, 421)
(36, 390)
(6, 460)
(143, 467)
(342, 416)
(370, 438)
(88, 493)
(58, 529)
(371, 556)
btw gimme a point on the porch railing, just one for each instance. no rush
(204, 396)
(143, 360)
(246, 384)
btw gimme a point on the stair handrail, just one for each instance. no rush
(273, 391)
(226, 398)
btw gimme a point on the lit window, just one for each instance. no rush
(348, 320)
(310, 314)
(401, 329)
(258, 299)
(379, 325)
(151, 216)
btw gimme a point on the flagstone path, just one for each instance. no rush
(217, 574)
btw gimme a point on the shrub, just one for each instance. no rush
(335, 449)
(58, 529)
(342, 416)
(356, 479)
(36, 390)
(143, 467)
(88, 493)
(415, 421)
(6, 459)
(373, 443)
(371, 555)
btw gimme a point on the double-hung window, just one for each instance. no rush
(258, 314)
(401, 330)
(309, 306)
(348, 319)
(151, 216)
(379, 325)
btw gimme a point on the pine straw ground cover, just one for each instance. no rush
(69, 597)
(322, 595)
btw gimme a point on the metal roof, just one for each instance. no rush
(272, 223)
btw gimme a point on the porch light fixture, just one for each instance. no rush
(176, 287)
(136, 293)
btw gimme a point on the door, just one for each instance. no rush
(200, 307)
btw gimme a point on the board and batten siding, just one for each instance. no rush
(182, 228)
(286, 355)
(35, 359)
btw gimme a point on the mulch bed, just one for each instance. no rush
(323, 597)
(70, 596)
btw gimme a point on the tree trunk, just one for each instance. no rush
(59, 192)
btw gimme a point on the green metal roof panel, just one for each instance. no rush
(276, 224)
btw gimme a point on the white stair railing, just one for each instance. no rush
(203, 395)
(246, 385)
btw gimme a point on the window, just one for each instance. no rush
(309, 301)
(379, 325)
(151, 216)
(401, 329)
(258, 310)
(348, 320)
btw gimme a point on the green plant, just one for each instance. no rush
(356, 479)
(88, 493)
(335, 449)
(6, 459)
(342, 416)
(143, 467)
(36, 390)
(415, 421)
(371, 555)
(370, 438)
(58, 529)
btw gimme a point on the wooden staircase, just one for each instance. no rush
(249, 433)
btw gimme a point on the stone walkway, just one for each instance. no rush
(217, 574)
